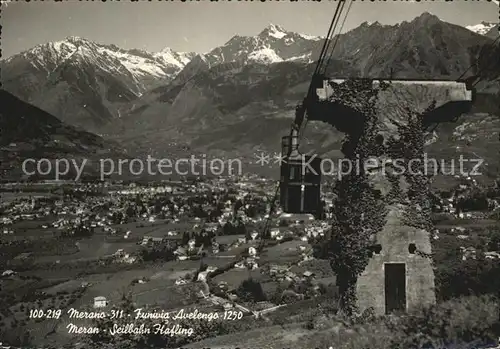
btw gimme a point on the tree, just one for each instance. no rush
(130, 212)
(199, 239)
(237, 205)
(82, 231)
(494, 243)
(117, 217)
(158, 206)
(17, 337)
(227, 229)
(163, 252)
(207, 238)
(248, 235)
(241, 229)
(251, 211)
(251, 291)
(185, 238)
(199, 212)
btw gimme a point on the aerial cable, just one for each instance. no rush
(472, 65)
(302, 122)
(332, 43)
(330, 37)
(266, 225)
(322, 69)
(302, 129)
(326, 43)
(329, 34)
(493, 53)
(465, 72)
(332, 33)
(298, 121)
(317, 68)
(338, 36)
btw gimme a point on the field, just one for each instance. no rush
(471, 224)
(9, 196)
(283, 253)
(91, 249)
(33, 229)
(156, 229)
(228, 239)
(73, 278)
(271, 337)
(159, 290)
(68, 272)
(235, 277)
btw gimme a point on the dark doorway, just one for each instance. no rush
(395, 287)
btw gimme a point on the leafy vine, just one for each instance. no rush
(360, 209)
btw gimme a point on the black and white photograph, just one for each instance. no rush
(250, 174)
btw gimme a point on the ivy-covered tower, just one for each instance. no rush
(381, 248)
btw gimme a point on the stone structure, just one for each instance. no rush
(384, 122)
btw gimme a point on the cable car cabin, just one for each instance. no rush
(300, 187)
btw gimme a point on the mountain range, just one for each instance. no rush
(28, 132)
(240, 97)
(85, 83)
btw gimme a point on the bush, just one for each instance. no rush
(456, 278)
(464, 320)
(450, 324)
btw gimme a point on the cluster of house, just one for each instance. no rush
(89, 221)
(184, 252)
(316, 229)
(190, 200)
(250, 261)
(461, 233)
(8, 273)
(36, 208)
(470, 253)
(22, 210)
(123, 257)
(308, 229)
(283, 273)
(7, 230)
(138, 202)
(449, 205)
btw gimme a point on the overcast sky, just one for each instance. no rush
(201, 26)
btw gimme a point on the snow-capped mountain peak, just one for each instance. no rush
(265, 55)
(273, 44)
(50, 55)
(482, 28)
(76, 39)
(166, 50)
(169, 56)
(146, 69)
(370, 24)
(275, 31)
(311, 37)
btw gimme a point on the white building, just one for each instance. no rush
(100, 302)
(252, 251)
